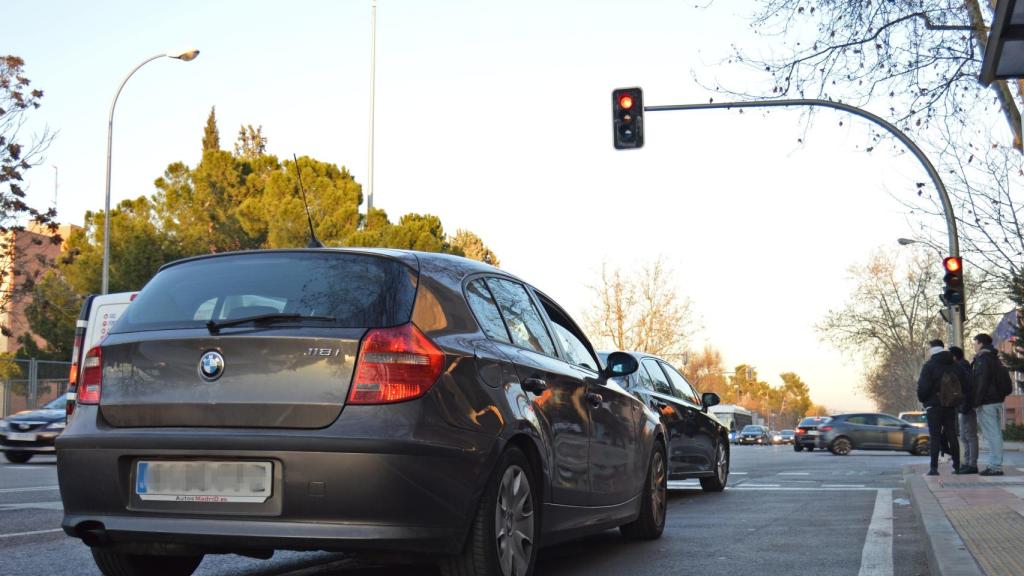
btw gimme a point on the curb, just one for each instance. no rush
(947, 554)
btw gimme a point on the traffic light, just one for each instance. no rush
(954, 279)
(628, 117)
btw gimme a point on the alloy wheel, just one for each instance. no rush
(659, 488)
(722, 465)
(514, 522)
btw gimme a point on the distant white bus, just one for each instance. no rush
(733, 416)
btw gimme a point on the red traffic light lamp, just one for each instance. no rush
(628, 118)
(954, 279)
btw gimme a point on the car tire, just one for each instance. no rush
(654, 500)
(482, 555)
(920, 448)
(18, 457)
(798, 448)
(717, 482)
(840, 446)
(113, 563)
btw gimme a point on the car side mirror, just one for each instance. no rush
(619, 364)
(709, 399)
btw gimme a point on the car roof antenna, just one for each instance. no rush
(314, 242)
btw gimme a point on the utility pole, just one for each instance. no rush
(373, 85)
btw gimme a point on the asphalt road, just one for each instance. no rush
(784, 513)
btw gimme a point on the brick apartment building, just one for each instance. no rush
(31, 249)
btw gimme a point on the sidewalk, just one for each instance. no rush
(974, 525)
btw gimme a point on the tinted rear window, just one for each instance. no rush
(814, 421)
(357, 290)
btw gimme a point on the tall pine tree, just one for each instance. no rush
(211, 137)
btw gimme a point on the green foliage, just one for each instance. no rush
(274, 211)
(51, 316)
(251, 142)
(211, 136)
(240, 201)
(471, 246)
(137, 249)
(1014, 433)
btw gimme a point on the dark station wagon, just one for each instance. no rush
(356, 400)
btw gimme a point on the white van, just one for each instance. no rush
(98, 315)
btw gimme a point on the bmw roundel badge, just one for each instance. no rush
(211, 366)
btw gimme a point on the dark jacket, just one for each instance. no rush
(986, 367)
(931, 376)
(968, 406)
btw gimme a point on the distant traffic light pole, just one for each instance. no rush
(956, 327)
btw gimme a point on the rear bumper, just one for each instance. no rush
(331, 491)
(225, 535)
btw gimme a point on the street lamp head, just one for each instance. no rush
(186, 55)
(905, 241)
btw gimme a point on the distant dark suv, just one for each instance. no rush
(356, 400)
(846, 432)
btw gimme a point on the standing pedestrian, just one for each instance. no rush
(968, 419)
(940, 389)
(991, 382)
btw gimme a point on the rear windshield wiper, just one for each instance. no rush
(215, 327)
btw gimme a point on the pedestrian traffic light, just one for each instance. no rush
(954, 279)
(628, 118)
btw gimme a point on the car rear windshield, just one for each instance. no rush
(814, 421)
(353, 290)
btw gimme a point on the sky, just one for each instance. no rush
(496, 116)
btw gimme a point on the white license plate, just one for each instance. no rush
(813, 433)
(21, 436)
(203, 481)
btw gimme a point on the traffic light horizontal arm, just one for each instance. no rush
(954, 244)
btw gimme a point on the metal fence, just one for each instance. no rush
(31, 384)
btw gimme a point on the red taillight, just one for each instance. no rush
(800, 430)
(75, 351)
(92, 377)
(395, 364)
(825, 428)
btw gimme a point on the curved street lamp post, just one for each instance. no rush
(186, 56)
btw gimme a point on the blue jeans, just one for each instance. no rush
(988, 421)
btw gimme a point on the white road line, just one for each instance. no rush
(794, 474)
(755, 488)
(763, 485)
(33, 533)
(32, 489)
(876, 559)
(843, 486)
(744, 473)
(52, 505)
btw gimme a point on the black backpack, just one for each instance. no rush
(951, 393)
(1003, 382)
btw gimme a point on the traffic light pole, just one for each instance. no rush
(956, 324)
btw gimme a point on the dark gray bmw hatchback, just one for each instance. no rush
(359, 400)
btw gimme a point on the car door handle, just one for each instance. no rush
(595, 399)
(535, 385)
